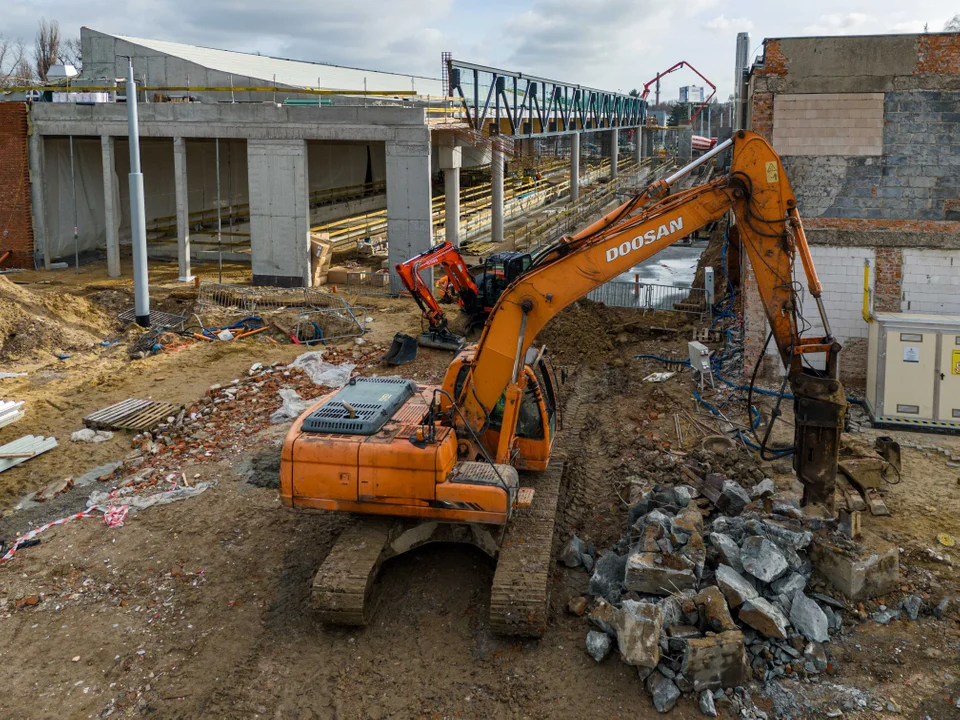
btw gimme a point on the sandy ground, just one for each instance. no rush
(199, 608)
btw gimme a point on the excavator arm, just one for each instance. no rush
(756, 190)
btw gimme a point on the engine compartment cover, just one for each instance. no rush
(371, 401)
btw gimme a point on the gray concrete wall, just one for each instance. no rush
(409, 226)
(279, 212)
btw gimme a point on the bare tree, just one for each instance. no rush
(70, 53)
(12, 60)
(46, 49)
(953, 24)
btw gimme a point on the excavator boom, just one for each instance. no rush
(757, 191)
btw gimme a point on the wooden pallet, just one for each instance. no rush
(132, 414)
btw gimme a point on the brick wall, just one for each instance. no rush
(888, 281)
(931, 281)
(16, 222)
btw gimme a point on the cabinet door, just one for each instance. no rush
(909, 374)
(949, 406)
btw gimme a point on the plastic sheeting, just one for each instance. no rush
(321, 372)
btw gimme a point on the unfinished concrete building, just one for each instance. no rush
(869, 131)
(277, 146)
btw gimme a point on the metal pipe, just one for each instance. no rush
(138, 221)
(76, 222)
(219, 220)
(687, 169)
(518, 359)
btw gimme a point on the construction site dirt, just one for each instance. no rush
(200, 608)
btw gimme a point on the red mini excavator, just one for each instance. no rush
(476, 300)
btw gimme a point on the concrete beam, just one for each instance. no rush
(409, 211)
(279, 212)
(183, 208)
(38, 202)
(247, 121)
(614, 152)
(496, 195)
(111, 204)
(574, 167)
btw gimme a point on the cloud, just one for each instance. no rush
(862, 24)
(587, 41)
(400, 35)
(723, 24)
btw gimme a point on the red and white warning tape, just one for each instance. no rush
(113, 516)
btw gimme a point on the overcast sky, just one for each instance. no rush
(610, 44)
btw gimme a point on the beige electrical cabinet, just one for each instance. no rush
(913, 370)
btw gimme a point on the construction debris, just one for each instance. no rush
(10, 411)
(132, 414)
(29, 446)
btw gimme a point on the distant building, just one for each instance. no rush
(691, 94)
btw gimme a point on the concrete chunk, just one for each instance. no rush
(764, 617)
(762, 559)
(664, 692)
(736, 589)
(598, 645)
(604, 616)
(573, 552)
(607, 578)
(638, 633)
(764, 488)
(707, 706)
(736, 497)
(716, 662)
(727, 549)
(789, 584)
(715, 609)
(859, 576)
(659, 574)
(807, 617)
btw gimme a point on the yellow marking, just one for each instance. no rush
(773, 175)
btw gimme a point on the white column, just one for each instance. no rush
(574, 167)
(38, 200)
(409, 202)
(111, 203)
(496, 194)
(450, 161)
(614, 141)
(183, 208)
(279, 212)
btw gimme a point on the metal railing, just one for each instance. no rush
(652, 297)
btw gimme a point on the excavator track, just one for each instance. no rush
(520, 596)
(344, 588)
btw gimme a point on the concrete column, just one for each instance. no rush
(575, 167)
(38, 200)
(409, 212)
(183, 208)
(614, 142)
(111, 203)
(496, 195)
(638, 145)
(450, 161)
(685, 144)
(279, 212)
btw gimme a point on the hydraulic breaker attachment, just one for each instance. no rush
(820, 407)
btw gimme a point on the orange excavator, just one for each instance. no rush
(421, 463)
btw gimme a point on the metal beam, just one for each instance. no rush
(525, 106)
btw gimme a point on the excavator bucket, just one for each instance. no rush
(441, 340)
(402, 350)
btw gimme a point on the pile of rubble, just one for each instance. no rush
(705, 607)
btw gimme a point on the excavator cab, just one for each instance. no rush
(499, 271)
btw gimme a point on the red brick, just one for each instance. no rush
(938, 54)
(16, 221)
